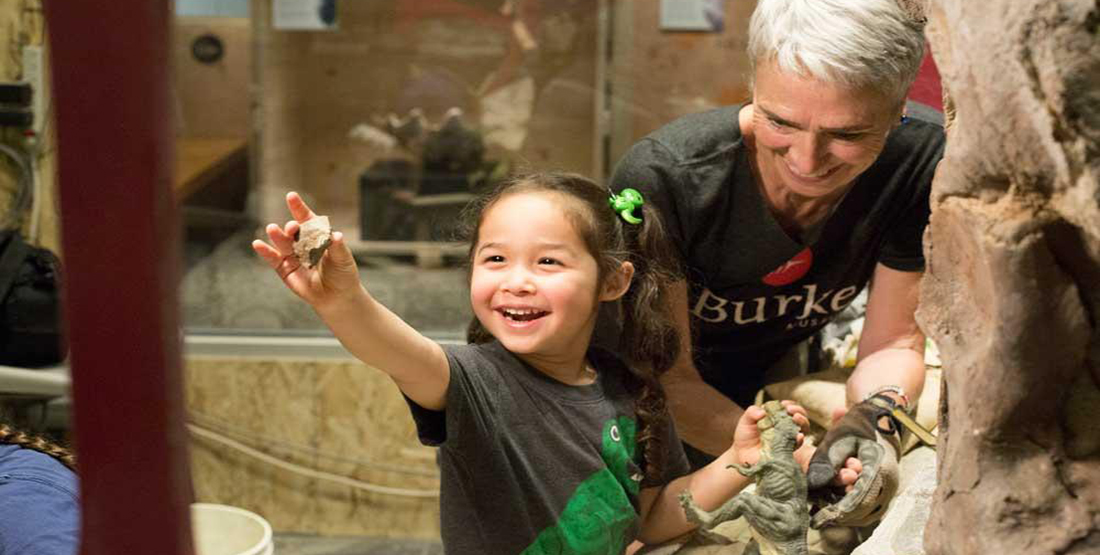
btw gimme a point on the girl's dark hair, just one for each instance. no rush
(648, 340)
(14, 436)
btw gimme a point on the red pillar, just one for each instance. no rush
(110, 68)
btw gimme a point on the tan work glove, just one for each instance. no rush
(868, 433)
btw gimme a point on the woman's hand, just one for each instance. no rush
(847, 473)
(336, 277)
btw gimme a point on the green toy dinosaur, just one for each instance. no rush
(778, 513)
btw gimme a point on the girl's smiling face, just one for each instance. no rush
(534, 285)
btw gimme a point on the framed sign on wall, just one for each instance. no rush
(693, 15)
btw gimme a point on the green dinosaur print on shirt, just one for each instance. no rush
(619, 452)
(599, 513)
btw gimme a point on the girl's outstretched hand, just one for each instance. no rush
(336, 277)
(746, 437)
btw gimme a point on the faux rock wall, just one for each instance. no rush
(314, 446)
(1012, 289)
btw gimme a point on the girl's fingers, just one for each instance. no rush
(279, 238)
(802, 421)
(288, 265)
(267, 252)
(798, 414)
(849, 473)
(854, 464)
(339, 248)
(291, 228)
(847, 478)
(793, 408)
(755, 413)
(284, 265)
(298, 207)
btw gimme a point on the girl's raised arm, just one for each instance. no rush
(367, 329)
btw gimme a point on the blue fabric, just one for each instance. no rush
(39, 504)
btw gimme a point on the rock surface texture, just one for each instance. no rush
(1012, 286)
(314, 237)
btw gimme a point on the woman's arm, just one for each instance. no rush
(891, 362)
(705, 418)
(367, 329)
(891, 347)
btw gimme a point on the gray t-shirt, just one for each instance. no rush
(754, 291)
(531, 465)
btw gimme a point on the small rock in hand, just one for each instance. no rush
(314, 236)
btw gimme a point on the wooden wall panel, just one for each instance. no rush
(212, 100)
(657, 76)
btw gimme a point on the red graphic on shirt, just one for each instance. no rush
(791, 270)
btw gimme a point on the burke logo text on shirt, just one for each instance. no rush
(714, 309)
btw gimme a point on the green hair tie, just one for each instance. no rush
(625, 202)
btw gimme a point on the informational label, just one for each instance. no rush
(304, 15)
(693, 15)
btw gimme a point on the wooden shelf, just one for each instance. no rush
(201, 160)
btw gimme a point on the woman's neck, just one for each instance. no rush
(794, 212)
(797, 211)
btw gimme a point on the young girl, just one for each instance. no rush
(39, 507)
(546, 445)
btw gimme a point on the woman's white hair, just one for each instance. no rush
(858, 43)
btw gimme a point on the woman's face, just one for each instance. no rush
(813, 138)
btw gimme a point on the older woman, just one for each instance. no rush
(784, 208)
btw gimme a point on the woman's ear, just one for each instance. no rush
(899, 116)
(744, 122)
(617, 283)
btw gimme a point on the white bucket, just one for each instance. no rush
(224, 530)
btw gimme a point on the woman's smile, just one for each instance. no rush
(814, 177)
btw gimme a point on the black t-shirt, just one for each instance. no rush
(532, 465)
(754, 292)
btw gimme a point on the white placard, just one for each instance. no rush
(311, 15)
(692, 15)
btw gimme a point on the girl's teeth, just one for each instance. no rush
(521, 313)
